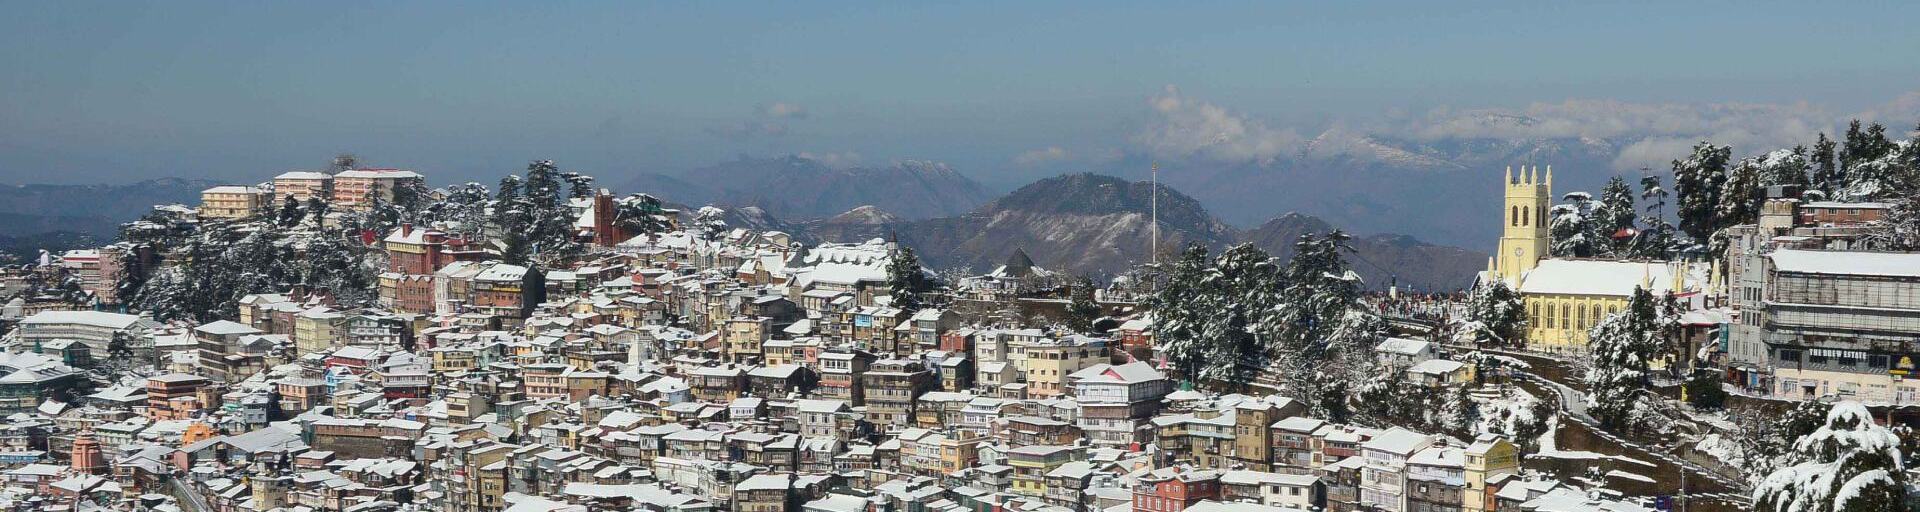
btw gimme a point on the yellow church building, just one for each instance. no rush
(1565, 298)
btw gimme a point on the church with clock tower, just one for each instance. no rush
(1524, 240)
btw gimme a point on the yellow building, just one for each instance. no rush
(232, 202)
(1565, 298)
(317, 330)
(1524, 239)
(1489, 457)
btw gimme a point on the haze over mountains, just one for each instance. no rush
(1078, 223)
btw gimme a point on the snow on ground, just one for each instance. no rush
(1722, 449)
(1549, 448)
(1511, 361)
(1629, 476)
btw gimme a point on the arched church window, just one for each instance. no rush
(1516, 217)
(1524, 216)
(1543, 215)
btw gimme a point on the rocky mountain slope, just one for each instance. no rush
(1381, 260)
(1089, 223)
(798, 188)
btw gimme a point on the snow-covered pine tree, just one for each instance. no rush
(711, 222)
(1894, 174)
(641, 214)
(1697, 183)
(1656, 239)
(1322, 330)
(1900, 230)
(290, 213)
(579, 186)
(1499, 313)
(1849, 464)
(1180, 314)
(1621, 348)
(1574, 230)
(1862, 146)
(1784, 167)
(1617, 212)
(1082, 310)
(906, 279)
(1737, 205)
(1246, 282)
(1826, 171)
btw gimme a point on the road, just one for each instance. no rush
(190, 500)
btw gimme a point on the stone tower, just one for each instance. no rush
(87, 456)
(1524, 239)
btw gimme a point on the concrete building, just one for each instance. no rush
(355, 189)
(233, 202)
(1843, 324)
(96, 329)
(303, 185)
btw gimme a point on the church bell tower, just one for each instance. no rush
(1524, 240)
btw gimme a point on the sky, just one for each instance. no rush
(108, 92)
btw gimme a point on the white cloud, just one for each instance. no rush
(1898, 115)
(837, 160)
(1185, 127)
(782, 110)
(1651, 135)
(1035, 157)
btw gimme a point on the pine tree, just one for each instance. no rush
(1697, 184)
(1849, 464)
(1656, 240)
(906, 279)
(641, 214)
(1179, 317)
(1245, 281)
(579, 186)
(1322, 330)
(1862, 146)
(1703, 389)
(317, 209)
(1737, 195)
(1617, 212)
(1082, 310)
(1900, 230)
(1621, 349)
(1785, 167)
(1826, 171)
(1575, 231)
(711, 221)
(290, 213)
(1499, 314)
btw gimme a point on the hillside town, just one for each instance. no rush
(355, 340)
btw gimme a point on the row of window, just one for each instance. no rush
(1569, 316)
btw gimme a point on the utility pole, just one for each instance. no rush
(1153, 229)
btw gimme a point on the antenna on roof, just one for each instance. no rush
(1153, 228)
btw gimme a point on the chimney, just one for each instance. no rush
(406, 228)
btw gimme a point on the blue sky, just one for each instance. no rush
(115, 91)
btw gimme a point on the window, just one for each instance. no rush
(1816, 358)
(1877, 362)
(1789, 356)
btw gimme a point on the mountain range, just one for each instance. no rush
(794, 187)
(1100, 225)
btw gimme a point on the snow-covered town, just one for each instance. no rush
(858, 256)
(353, 340)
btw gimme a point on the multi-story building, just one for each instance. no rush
(233, 202)
(892, 387)
(1032, 463)
(1487, 459)
(1383, 483)
(1174, 489)
(174, 396)
(356, 189)
(96, 329)
(303, 185)
(1841, 324)
(1049, 362)
(1117, 401)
